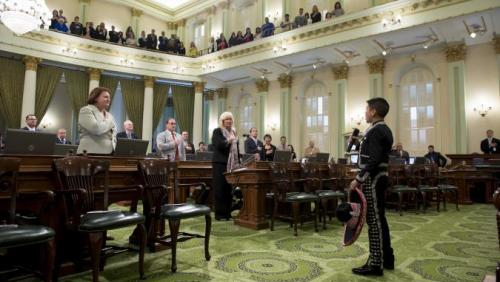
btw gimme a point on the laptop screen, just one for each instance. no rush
(354, 159)
(412, 160)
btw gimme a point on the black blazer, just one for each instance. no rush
(123, 134)
(251, 148)
(269, 157)
(58, 141)
(221, 147)
(436, 158)
(316, 17)
(485, 146)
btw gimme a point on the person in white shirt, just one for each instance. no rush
(283, 146)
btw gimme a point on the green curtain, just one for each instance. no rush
(160, 96)
(133, 97)
(47, 79)
(77, 83)
(184, 106)
(109, 82)
(11, 91)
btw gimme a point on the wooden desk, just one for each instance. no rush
(467, 158)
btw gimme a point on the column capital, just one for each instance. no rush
(285, 80)
(376, 65)
(496, 41)
(171, 25)
(223, 5)
(84, 1)
(136, 12)
(340, 72)
(149, 81)
(455, 53)
(31, 63)
(221, 93)
(262, 85)
(210, 95)
(199, 86)
(94, 74)
(181, 23)
(211, 10)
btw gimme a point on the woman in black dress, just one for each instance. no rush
(269, 148)
(225, 158)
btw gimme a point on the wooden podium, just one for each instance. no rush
(254, 183)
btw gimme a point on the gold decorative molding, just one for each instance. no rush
(376, 65)
(455, 53)
(31, 63)
(136, 12)
(222, 93)
(210, 95)
(181, 23)
(149, 81)
(285, 80)
(94, 74)
(496, 41)
(340, 72)
(171, 25)
(199, 86)
(262, 85)
(84, 1)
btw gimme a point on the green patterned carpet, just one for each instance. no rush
(446, 246)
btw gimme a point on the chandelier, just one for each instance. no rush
(22, 16)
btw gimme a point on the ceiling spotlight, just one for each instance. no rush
(315, 66)
(346, 61)
(476, 29)
(425, 46)
(473, 35)
(263, 77)
(384, 53)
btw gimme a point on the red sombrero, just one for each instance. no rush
(353, 227)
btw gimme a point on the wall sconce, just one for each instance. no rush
(391, 21)
(274, 16)
(357, 120)
(482, 111)
(127, 62)
(69, 51)
(272, 126)
(46, 124)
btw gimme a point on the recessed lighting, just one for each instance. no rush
(384, 53)
(473, 35)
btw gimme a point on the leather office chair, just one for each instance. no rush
(77, 179)
(156, 175)
(401, 183)
(13, 235)
(427, 178)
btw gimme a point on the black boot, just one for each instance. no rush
(389, 263)
(368, 270)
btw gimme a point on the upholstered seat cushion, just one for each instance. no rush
(301, 197)
(426, 188)
(329, 194)
(180, 211)
(23, 235)
(108, 220)
(447, 187)
(403, 188)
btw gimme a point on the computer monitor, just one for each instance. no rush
(412, 160)
(204, 156)
(25, 142)
(354, 158)
(131, 147)
(320, 158)
(396, 161)
(64, 149)
(420, 161)
(190, 157)
(282, 156)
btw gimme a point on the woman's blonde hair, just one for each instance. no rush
(223, 116)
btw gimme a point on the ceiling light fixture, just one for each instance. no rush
(22, 16)
(476, 29)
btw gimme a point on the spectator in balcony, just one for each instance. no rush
(151, 40)
(121, 38)
(89, 31)
(315, 14)
(267, 28)
(248, 35)
(221, 42)
(258, 33)
(181, 50)
(212, 46)
(76, 27)
(300, 20)
(307, 18)
(286, 24)
(54, 20)
(193, 51)
(232, 40)
(142, 40)
(130, 37)
(63, 17)
(328, 16)
(337, 10)
(102, 32)
(61, 26)
(162, 42)
(113, 35)
(172, 44)
(239, 38)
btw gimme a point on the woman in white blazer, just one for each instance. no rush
(96, 125)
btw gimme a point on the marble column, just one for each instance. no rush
(224, 6)
(171, 28)
(136, 22)
(94, 77)
(198, 112)
(147, 116)
(262, 90)
(29, 91)
(455, 56)
(181, 32)
(497, 51)
(84, 10)
(285, 81)
(207, 115)
(340, 74)
(376, 70)
(286, 8)
(221, 101)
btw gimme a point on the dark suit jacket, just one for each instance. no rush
(436, 158)
(485, 147)
(269, 157)
(221, 147)
(252, 148)
(405, 156)
(123, 134)
(192, 151)
(58, 141)
(36, 129)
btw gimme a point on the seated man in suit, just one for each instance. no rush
(253, 145)
(61, 137)
(128, 126)
(400, 153)
(170, 143)
(201, 148)
(187, 145)
(31, 122)
(435, 157)
(490, 145)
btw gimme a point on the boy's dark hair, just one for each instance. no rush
(343, 212)
(380, 105)
(430, 146)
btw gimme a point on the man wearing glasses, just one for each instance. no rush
(31, 122)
